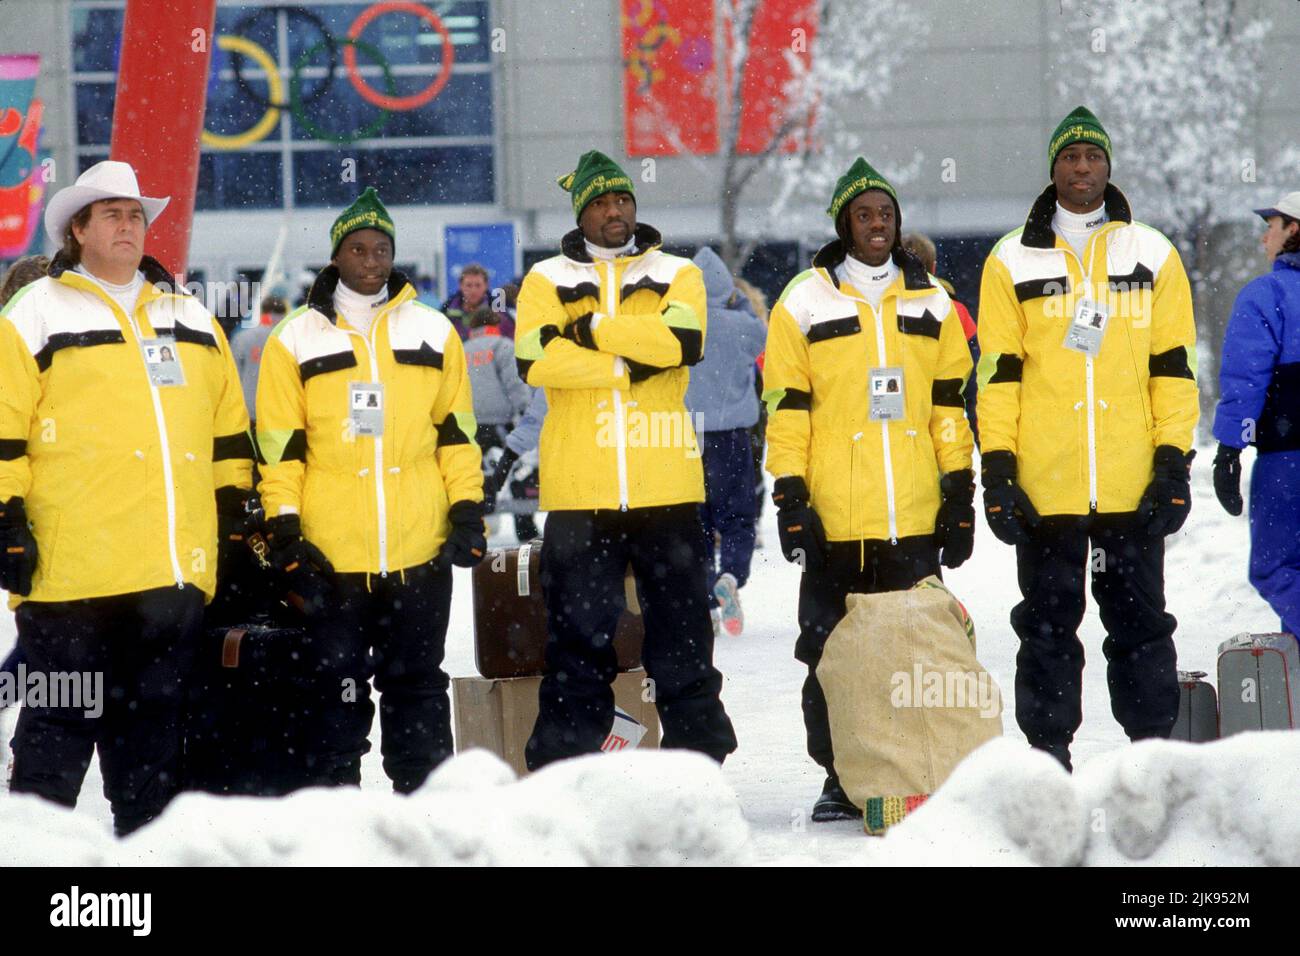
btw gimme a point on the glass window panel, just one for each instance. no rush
(403, 38)
(239, 180)
(95, 113)
(231, 111)
(84, 162)
(436, 175)
(96, 39)
(463, 108)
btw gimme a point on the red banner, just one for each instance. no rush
(670, 89)
(158, 117)
(780, 28)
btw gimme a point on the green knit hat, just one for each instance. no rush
(860, 177)
(596, 174)
(1081, 126)
(367, 212)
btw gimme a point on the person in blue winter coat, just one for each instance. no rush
(724, 407)
(1259, 404)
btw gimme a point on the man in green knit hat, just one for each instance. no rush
(373, 490)
(1087, 409)
(609, 327)
(867, 436)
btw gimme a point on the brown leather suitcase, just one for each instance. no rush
(510, 616)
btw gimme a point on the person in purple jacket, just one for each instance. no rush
(1259, 404)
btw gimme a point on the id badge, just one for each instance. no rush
(162, 359)
(1089, 325)
(886, 392)
(366, 400)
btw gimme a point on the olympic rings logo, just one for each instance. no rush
(275, 102)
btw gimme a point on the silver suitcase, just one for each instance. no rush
(1259, 683)
(1198, 709)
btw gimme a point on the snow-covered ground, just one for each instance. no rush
(1233, 802)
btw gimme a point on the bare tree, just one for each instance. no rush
(854, 52)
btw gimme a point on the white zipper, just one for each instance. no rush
(169, 491)
(884, 430)
(1089, 390)
(381, 503)
(620, 418)
(1092, 435)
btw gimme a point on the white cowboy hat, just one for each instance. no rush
(107, 180)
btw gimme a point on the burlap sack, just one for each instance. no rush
(906, 697)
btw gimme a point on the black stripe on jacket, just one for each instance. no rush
(75, 340)
(577, 293)
(238, 445)
(11, 449)
(450, 433)
(426, 355)
(295, 449)
(795, 400)
(1037, 288)
(1010, 368)
(947, 391)
(1140, 278)
(833, 329)
(183, 333)
(1171, 364)
(327, 363)
(645, 282)
(924, 324)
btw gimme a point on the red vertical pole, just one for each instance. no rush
(161, 93)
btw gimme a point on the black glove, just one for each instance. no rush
(954, 528)
(466, 543)
(639, 371)
(803, 540)
(1168, 499)
(497, 480)
(579, 331)
(1227, 478)
(308, 573)
(239, 519)
(1007, 508)
(17, 548)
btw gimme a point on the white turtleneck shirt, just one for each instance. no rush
(1077, 228)
(600, 252)
(359, 310)
(870, 281)
(125, 295)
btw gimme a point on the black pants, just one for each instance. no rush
(143, 644)
(394, 630)
(1139, 646)
(585, 555)
(853, 567)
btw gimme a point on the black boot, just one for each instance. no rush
(1060, 751)
(526, 528)
(833, 804)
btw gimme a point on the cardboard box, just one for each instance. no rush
(498, 715)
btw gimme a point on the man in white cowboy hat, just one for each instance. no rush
(122, 432)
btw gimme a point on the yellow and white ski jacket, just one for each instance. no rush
(867, 480)
(371, 503)
(119, 475)
(1084, 430)
(608, 441)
